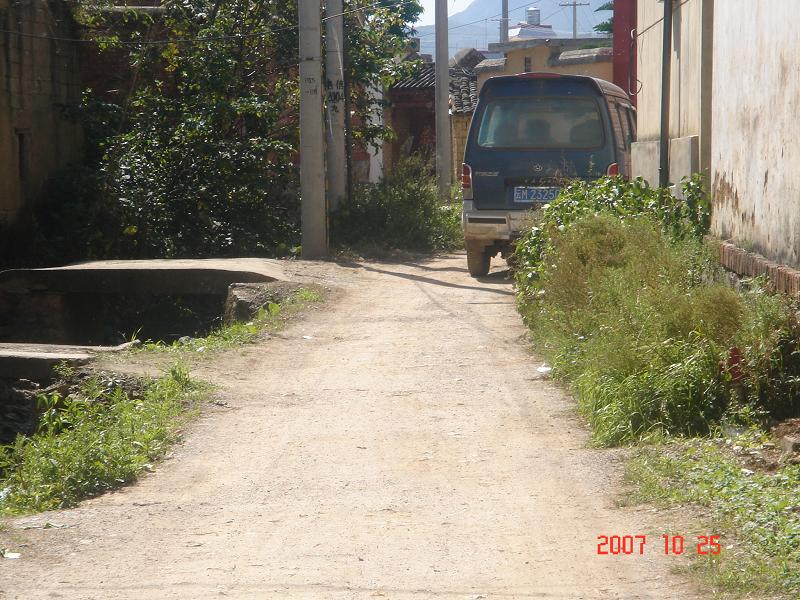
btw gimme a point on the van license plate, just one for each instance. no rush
(531, 195)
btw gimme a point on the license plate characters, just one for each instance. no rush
(535, 195)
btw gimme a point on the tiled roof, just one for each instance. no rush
(463, 86)
(467, 58)
(463, 91)
(491, 64)
(424, 78)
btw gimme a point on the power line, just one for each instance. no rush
(520, 7)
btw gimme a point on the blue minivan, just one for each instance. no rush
(530, 134)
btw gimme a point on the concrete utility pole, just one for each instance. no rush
(574, 6)
(666, 90)
(504, 23)
(444, 150)
(314, 217)
(335, 106)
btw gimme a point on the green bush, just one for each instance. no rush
(612, 195)
(644, 325)
(403, 212)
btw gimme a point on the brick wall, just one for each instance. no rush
(749, 264)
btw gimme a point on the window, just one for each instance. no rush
(528, 65)
(542, 123)
(626, 126)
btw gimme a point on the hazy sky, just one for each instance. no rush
(453, 6)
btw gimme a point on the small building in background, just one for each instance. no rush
(582, 56)
(532, 27)
(411, 114)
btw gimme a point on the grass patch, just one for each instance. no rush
(758, 513)
(271, 317)
(634, 311)
(402, 212)
(92, 441)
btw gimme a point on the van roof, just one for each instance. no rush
(603, 86)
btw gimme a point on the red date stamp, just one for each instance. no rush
(676, 545)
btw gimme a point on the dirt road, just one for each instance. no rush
(394, 444)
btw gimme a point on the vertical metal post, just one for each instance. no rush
(444, 151)
(574, 4)
(504, 23)
(666, 88)
(314, 219)
(334, 104)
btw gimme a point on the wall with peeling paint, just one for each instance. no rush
(755, 162)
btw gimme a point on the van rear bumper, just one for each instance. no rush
(492, 225)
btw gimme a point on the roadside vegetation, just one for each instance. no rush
(271, 317)
(194, 152)
(94, 438)
(757, 506)
(663, 349)
(402, 212)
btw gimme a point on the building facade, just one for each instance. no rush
(733, 104)
(39, 90)
(564, 56)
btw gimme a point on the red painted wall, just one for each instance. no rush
(624, 46)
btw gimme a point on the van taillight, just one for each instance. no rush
(613, 169)
(466, 177)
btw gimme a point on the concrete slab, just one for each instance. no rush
(156, 277)
(37, 364)
(107, 302)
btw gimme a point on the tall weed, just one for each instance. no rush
(653, 339)
(402, 212)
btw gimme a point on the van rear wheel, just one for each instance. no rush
(479, 260)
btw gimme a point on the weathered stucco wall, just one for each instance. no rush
(756, 131)
(39, 82)
(685, 111)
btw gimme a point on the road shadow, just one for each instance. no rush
(498, 278)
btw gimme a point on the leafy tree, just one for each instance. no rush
(202, 155)
(606, 26)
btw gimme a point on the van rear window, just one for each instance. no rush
(541, 123)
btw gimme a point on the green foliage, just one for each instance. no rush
(633, 310)
(199, 157)
(758, 510)
(612, 195)
(92, 441)
(402, 212)
(606, 26)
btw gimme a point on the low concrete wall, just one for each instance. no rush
(684, 160)
(101, 304)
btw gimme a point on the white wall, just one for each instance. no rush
(755, 145)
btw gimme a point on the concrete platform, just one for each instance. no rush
(180, 276)
(37, 365)
(107, 302)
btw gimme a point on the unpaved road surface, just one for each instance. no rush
(395, 443)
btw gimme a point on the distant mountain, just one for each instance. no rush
(478, 25)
